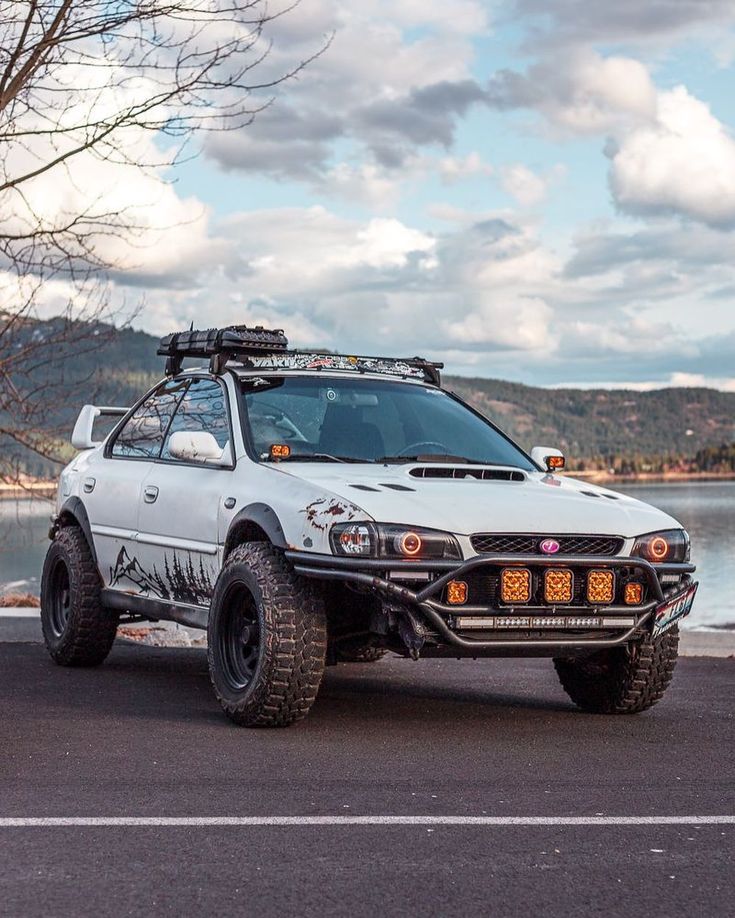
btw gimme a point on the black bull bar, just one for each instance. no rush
(369, 572)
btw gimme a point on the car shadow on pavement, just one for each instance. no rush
(148, 683)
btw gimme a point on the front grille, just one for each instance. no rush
(515, 544)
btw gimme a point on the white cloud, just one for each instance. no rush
(682, 162)
(581, 93)
(453, 169)
(526, 186)
(396, 78)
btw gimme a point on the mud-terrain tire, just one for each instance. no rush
(621, 680)
(359, 652)
(267, 639)
(77, 628)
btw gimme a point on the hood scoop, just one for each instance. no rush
(463, 471)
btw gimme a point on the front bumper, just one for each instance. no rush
(523, 625)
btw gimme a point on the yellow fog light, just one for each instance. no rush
(515, 584)
(600, 586)
(456, 592)
(633, 594)
(558, 585)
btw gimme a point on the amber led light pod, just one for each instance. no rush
(600, 586)
(515, 584)
(633, 594)
(280, 451)
(555, 463)
(456, 592)
(558, 585)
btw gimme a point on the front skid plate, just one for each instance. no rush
(669, 612)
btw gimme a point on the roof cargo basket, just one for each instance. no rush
(220, 345)
(267, 349)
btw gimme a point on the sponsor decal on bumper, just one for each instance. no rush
(673, 609)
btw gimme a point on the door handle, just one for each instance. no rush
(150, 493)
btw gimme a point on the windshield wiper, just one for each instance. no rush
(433, 457)
(316, 457)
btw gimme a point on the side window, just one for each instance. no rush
(203, 408)
(142, 435)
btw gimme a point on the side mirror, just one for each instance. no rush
(83, 434)
(548, 458)
(195, 446)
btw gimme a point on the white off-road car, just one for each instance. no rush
(309, 508)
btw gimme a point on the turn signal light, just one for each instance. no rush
(555, 463)
(600, 586)
(515, 584)
(633, 594)
(456, 592)
(558, 585)
(280, 451)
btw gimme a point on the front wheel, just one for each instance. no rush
(267, 639)
(621, 680)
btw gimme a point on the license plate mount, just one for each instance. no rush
(669, 612)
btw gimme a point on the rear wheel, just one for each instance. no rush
(77, 629)
(621, 680)
(267, 639)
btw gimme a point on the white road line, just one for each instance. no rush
(174, 821)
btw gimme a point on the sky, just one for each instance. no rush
(535, 190)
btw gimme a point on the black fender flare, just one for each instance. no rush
(264, 518)
(74, 510)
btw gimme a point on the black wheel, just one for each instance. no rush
(77, 629)
(267, 639)
(359, 651)
(621, 680)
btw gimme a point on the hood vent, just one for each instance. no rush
(465, 471)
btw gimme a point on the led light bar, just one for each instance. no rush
(524, 622)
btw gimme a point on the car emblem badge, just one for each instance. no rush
(549, 546)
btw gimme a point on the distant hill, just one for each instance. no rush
(595, 427)
(589, 423)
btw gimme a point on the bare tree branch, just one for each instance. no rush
(82, 81)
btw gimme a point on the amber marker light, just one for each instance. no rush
(558, 585)
(515, 584)
(633, 594)
(456, 592)
(280, 451)
(555, 463)
(600, 586)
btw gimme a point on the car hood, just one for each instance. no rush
(540, 503)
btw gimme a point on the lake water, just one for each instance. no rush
(706, 509)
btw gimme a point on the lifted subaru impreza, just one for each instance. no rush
(311, 508)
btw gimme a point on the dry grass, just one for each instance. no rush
(19, 601)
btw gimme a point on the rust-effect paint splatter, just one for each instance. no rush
(319, 512)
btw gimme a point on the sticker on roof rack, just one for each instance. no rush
(335, 362)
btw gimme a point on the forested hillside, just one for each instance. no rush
(624, 429)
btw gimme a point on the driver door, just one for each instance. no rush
(182, 501)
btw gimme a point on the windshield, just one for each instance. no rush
(369, 420)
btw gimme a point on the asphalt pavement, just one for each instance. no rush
(142, 737)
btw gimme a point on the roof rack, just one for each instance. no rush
(261, 348)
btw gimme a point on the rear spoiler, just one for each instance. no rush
(82, 435)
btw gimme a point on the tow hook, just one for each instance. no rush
(412, 632)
